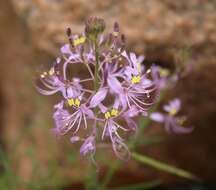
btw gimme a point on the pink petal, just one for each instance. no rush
(98, 97)
(158, 117)
(114, 84)
(66, 49)
(74, 139)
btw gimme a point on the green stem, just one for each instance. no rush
(92, 178)
(109, 175)
(96, 81)
(162, 166)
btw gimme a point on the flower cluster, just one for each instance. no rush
(103, 105)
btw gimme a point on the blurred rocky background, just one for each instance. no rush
(32, 31)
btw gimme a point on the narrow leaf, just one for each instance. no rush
(162, 166)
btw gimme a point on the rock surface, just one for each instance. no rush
(155, 26)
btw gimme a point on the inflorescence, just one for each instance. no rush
(117, 88)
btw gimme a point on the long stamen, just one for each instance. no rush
(71, 125)
(137, 104)
(117, 135)
(90, 71)
(85, 122)
(128, 102)
(104, 130)
(46, 92)
(143, 103)
(70, 117)
(78, 126)
(85, 80)
(86, 90)
(47, 84)
(119, 126)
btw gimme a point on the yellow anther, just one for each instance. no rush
(71, 102)
(135, 79)
(51, 71)
(139, 67)
(43, 75)
(148, 71)
(114, 112)
(173, 111)
(138, 78)
(79, 41)
(115, 34)
(77, 102)
(107, 115)
(164, 72)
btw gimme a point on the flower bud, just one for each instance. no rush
(94, 27)
(68, 32)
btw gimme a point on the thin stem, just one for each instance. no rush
(96, 82)
(93, 182)
(162, 166)
(109, 175)
(96, 78)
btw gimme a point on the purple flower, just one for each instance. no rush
(98, 97)
(134, 70)
(88, 147)
(163, 77)
(66, 122)
(111, 127)
(59, 115)
(173, 123)
(128, 117)
(117, 88)
(52, 82)
(119, 147)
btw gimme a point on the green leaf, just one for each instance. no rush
(91, 178)
(162, 166)
(113, 168)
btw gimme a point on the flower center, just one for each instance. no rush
(74, 102)
(172, 112)
(164, 72)
(135, 79)
(112, 113)
(115, 34)
(51, 71)
(79, 41)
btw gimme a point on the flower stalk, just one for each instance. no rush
(96, 81)
(162, 166)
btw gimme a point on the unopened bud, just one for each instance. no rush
(94, 27)
(116, 27)
(123, 39)
(68, 32)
